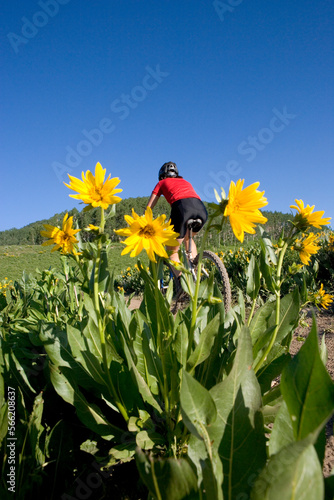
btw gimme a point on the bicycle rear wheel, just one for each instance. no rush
(211, 261)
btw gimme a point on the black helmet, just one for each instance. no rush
(168, 169)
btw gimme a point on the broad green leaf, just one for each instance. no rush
(142, 386)
(307, 388)
(104, 276)
(205, 457)
(282, 433)
(294, 473)
(323, 350)
(144, 441)
(82, 351)
(154, 306)
(238, 431)
(265, 317)
(289, 315)
(253, 278)
(142, 352)
(259, 324)
(18, 371)
(267, 272)
(36, 429)
(136, 334)
(212, 473)
(198, 407)
(121, 453)
(89, 414)
(267, 246)
(167, 479)
(60, 354)
(273, 368)
(180, 344)
(204, 346)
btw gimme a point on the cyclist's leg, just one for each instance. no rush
(195, 210)
(174, 254)
(193, 244)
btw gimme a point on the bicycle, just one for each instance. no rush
(210, 261)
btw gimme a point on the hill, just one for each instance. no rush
(30, 234)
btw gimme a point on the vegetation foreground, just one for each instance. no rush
(100, 401)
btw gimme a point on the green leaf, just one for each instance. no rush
(104, 276)
(238, 431)
(167, 479)
(82, 350)
(267, 272)
(198, 407)
(323, 350)
(142, 386)
(89, 414)
(59, 352)
(267, 246)
(180, 344)
(307, 388)
(144, 441)
(294, 473)
(149, 306)
(36, 429)
(265, 317)
(204, 346)
(253, 278)
(282, 433)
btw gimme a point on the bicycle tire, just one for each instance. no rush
(223, 275)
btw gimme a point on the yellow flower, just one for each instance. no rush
(305, 218)
(146, 233)
(243, 208)
(94, 190)
(322, 298)
(331, 243)
(64, 238)
(91, 227)
(307, 247)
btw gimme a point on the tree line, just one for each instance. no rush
(30, 234)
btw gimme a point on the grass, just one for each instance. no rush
(15, 259)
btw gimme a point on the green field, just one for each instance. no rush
(15, 259)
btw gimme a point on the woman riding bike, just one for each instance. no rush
(185, 204)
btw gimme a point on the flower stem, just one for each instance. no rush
(278, 305)
(101, 325)
(194, 311)
(160, 345)
(251, 311)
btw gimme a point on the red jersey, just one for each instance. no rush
(175, 188)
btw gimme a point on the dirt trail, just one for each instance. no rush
(325, 325)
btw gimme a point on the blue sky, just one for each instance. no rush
(227, 90)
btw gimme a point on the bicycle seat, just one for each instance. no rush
(195, 224)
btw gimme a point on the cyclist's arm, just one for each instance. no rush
(153, 200)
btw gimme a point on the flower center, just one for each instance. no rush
(147, 231)
(96, 193)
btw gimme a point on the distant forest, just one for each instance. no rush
(30, 234)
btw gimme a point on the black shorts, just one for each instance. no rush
(183, 210)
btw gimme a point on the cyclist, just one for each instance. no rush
(185, 204)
